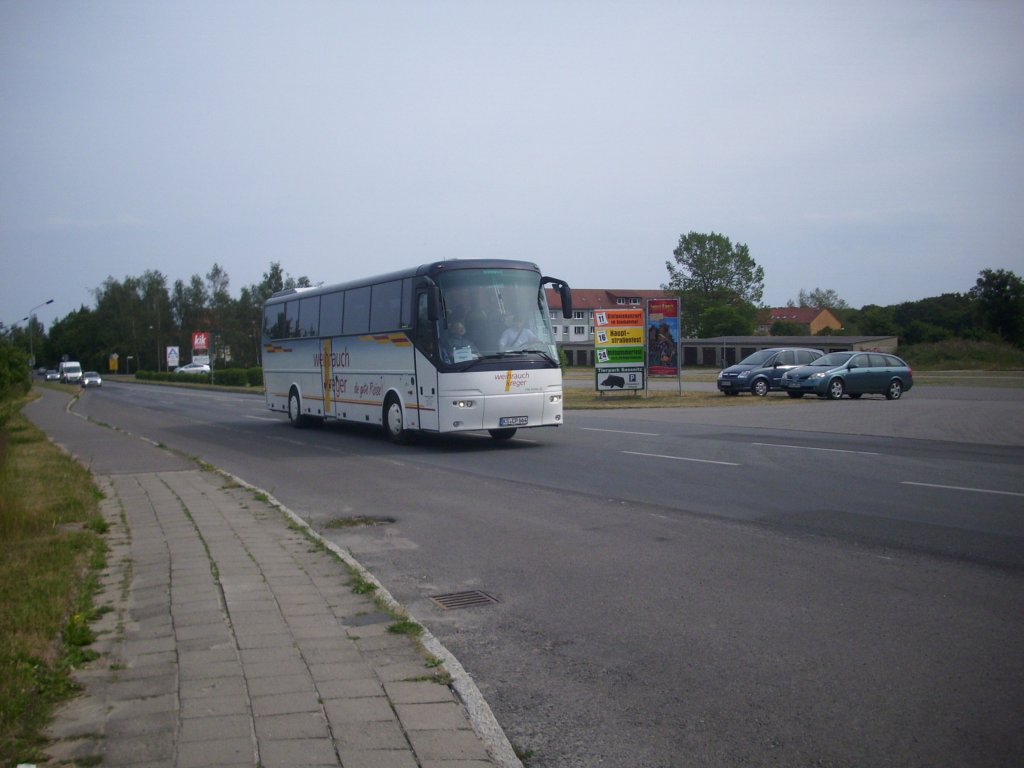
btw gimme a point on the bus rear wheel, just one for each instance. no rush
(394, 421)
(502, 434)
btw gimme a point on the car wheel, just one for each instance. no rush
(295, 410)
(795, 395)
(502, 434)
(895, 390)
(760, 387)
(836, 388)
(394, 421)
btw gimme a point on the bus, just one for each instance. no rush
(450, 346)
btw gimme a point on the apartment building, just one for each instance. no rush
(576, 336)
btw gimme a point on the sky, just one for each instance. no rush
(871, 148)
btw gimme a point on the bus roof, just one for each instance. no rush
(431, 270)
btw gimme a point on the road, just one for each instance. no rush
(795, 583)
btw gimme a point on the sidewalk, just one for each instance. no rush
(233, 638)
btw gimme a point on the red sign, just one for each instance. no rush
(200, 340)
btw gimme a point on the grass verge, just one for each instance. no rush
(51, 538)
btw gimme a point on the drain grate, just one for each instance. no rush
(469, 599)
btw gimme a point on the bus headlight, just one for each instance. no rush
(463, 403)
(554, 398)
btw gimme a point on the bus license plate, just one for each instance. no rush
(513, 421)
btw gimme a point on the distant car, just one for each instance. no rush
(69, 372)
(762, 371)
(52, 375)
(193, 368)
(851, 373)
(91, 379)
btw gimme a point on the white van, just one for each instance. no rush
(70, 372)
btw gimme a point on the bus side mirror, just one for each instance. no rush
(564, 292)
(433, 300)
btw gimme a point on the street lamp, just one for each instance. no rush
(31, 318)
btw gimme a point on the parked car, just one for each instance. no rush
(193, 368)
(851, 373)
(52, 375)
(762, 371)
(91, 379)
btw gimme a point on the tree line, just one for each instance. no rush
(720, 288)
(137, 318)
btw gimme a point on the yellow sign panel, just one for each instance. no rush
(612, 336)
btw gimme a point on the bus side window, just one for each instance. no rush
(273, 319)
(330, 313)
(357, 310)
(386, 307)
(309, 316)
(291, 313)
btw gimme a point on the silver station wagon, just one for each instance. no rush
(850, 373)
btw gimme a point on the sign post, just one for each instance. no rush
(619, 350)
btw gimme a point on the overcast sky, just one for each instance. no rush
(874, 148)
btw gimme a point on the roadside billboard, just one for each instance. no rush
(201, 347)
(663, 337)
(619, 349)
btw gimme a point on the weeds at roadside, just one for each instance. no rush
(50, 528)
(405, 627)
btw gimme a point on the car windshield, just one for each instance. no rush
(758, 357)
(833, 359)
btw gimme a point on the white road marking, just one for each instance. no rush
(682, 458)
(262, 418)
(619, 431)
(963, 488)
(810, 448)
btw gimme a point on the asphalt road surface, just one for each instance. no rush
(800, 583)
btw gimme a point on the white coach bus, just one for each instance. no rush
(445, 347)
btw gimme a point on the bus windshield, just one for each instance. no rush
(490, 313)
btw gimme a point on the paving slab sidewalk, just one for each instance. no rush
(232, 635)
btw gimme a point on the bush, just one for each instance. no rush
(959, 354)
(15, 377)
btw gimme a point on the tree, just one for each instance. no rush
(787, 328)
(819, 298)
(724, 320)
(999, 297)
(710, 272)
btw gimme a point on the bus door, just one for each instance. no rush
(425, 343)
(326, 377)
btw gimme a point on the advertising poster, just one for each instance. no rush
(619, 349)
(201, 347)
(663, 337)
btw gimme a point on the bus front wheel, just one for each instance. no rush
(394, 421)
(295, 410)
(502, 434)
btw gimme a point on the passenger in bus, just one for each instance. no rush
(457, 347)
(517, 335)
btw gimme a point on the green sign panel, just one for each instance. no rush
(619, 355)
